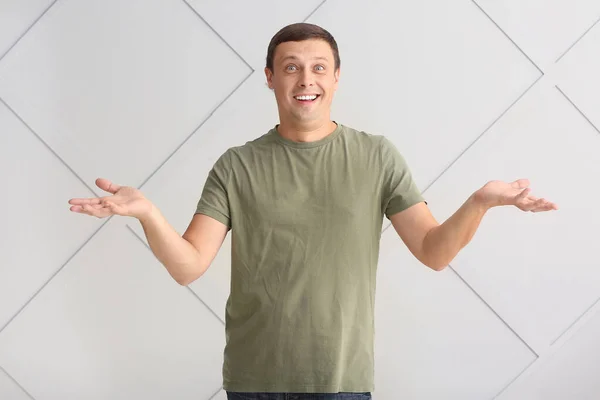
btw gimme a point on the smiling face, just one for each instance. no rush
(304, 79)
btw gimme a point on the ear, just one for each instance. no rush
(269, 76)
(336, 77)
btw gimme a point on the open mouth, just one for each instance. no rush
(308, 98)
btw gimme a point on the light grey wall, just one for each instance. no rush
(149, 94)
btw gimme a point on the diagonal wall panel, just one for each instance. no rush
(435, 338)
(113, 325)
(544, 29)
(250, 36)
(579, 76)
(9, 389)
(37, 233)
(570, 373)
(116, 97)
(533, 269)
(16, 17)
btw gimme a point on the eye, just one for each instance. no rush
(291, 68)
(320, 68)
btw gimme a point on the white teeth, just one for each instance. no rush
(306, 97)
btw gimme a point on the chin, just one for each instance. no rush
(306, 117)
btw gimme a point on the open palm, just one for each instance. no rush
(517, 193)
(125, 200)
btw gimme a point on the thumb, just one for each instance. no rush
(523, 194)
(520, 184)
(107, 185)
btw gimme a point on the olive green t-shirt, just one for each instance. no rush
(305, 221)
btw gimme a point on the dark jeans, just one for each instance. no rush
(299, 396)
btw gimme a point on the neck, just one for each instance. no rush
(309, 132)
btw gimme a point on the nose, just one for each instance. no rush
(306, 79)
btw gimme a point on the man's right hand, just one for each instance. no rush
(125, 200)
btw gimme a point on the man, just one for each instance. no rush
(305, 203)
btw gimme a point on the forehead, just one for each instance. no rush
(304, 50)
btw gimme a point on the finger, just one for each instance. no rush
(529, 205)
(529, 200)
(540, 205)
(520, 183)
(107, 185)
(548, 206)
(89, 200)
(96, 211)
(115, 208)
(520, 198)
(79, 208)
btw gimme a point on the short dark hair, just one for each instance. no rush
(298, 32)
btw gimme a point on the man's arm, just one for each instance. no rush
(433, 244)
(185, 257)
(437, 245)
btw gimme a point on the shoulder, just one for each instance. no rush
(379, 147)
(248, 149)
(366, 140)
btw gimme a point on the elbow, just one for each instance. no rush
(185, 280)
(434, 260)
(181, 279)
(438, 267)
(437, 262)
(192, 274)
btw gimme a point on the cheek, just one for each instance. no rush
(328, 85)
(283, 90)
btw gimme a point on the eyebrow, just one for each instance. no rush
(296, 58)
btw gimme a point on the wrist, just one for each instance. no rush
(479, 201)
(150, 213)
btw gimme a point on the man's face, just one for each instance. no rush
(305, 68)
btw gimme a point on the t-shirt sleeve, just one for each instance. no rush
(214, 200)
(400, 190)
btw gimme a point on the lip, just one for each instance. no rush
(310, 102)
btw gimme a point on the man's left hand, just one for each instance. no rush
(517, 193)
